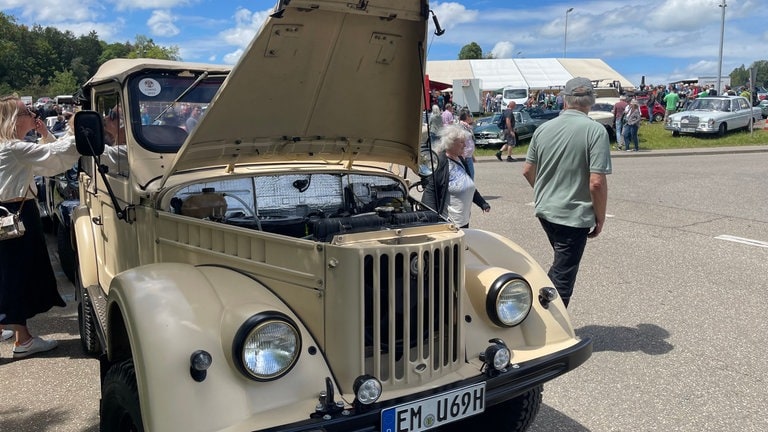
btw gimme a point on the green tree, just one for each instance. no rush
(113, 50)
(145, 47)
(740, 75)
(63, 83)
(471, 51)
(44, 61)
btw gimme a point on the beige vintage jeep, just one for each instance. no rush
(266, 268)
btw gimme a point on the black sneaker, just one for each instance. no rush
(509, 159)
(498, 155)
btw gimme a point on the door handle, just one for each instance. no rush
(97, 220)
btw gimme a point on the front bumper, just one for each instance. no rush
(489, 142)
(510, 384)
(691, 130)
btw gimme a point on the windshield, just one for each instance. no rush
(160, 124)
(602, 107)
(516, 93)
(710, 105)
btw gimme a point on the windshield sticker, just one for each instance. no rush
(149, 87)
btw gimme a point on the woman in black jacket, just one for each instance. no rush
(450, 190)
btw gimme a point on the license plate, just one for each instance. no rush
(688, 129)
(434, 411)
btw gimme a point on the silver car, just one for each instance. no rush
(713, 114)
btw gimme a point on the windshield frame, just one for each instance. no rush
(141, 101)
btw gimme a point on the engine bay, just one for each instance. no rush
(314, 206)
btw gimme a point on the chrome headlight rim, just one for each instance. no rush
(497, 289)
(259, 322)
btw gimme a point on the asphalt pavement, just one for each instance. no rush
(59, 391)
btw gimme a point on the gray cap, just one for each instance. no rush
(578, 86)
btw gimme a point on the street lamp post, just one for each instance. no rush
(720, 61)
(565, 35)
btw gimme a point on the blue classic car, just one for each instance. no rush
(713, 114)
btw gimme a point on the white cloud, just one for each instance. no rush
(122, 5)
(54, 11)
(247, 23)
(161, 24)
(233, 57)
(451, 15)
(503, 49)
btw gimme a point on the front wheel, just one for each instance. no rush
(658, 117)
(514, 415)
(120, 410)
(722, 129)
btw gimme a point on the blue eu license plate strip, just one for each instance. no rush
(435, 411)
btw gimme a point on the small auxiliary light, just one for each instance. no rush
(496, 357)
(199, 362)
(367, 390)
(546, 296)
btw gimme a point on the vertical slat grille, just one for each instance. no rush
(411, 312)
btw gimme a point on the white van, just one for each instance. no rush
(64, 100)
(517, 94)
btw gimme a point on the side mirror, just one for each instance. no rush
(89, 133)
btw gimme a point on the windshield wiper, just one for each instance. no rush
(191, 87)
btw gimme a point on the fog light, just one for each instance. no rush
(496, 357)
(367, 389)
(199, 362)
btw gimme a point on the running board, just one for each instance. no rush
(99, 306)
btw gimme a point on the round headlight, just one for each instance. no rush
(267, 346)
(509, 300)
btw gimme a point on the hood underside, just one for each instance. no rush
(322, 80)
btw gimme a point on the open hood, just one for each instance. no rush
(328, 80)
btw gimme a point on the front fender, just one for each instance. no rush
(172, 310)
(85, 246)
(490, 255)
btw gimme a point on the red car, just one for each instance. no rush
(658, 109)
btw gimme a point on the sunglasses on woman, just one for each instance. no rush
(27, 112)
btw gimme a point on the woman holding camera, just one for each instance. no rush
(27, 283)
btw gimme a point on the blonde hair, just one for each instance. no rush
(9, 109)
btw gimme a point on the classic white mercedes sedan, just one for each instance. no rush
(713, 114)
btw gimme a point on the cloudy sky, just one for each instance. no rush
(663, 40)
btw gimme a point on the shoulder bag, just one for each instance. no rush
(11, 225)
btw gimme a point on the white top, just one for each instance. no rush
(20, 161)
(461, 189)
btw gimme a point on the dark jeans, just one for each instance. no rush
(568, 244)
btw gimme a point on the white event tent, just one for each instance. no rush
(533, 73)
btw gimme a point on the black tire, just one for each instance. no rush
(86, 319)
(658, 117)
(67, 257)
(722, 129)
(514, 415)
(675, 134)
(120, 411)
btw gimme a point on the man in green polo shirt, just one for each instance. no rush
(671, 101)
(567, 163)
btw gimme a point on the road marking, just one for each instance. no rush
(746, 241)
